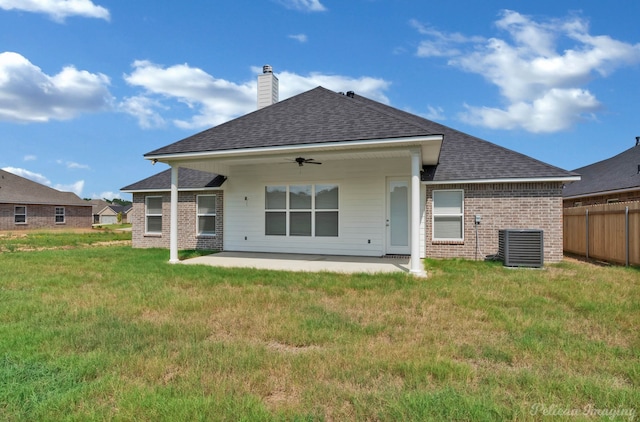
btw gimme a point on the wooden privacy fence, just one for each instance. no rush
(608, 232)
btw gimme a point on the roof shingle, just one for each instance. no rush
(619, 172)
(321, 116)
(18, 190)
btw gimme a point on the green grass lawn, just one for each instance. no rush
(111, 333)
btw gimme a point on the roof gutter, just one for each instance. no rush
(505, 180)
(388, 142)
(604, 192)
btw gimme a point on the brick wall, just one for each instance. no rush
(43, 217)
(502, 206)
(187, 236)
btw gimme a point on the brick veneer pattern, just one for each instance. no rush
(502, 206)
(43, 217)
(187, 237)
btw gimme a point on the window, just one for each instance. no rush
(59, 215)
(301, 210)
(20, 214)
(448, 213)
(206, 215)
(153, 215)
(612, 200)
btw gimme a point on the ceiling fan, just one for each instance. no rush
(301, 161)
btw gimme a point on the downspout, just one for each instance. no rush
(416, 263)
(173, 231)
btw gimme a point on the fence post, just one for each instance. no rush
(587, 232)
(626, 234)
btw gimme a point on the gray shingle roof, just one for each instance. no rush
(322, 116)
(618, 172)
(18, 190)
(187, 179)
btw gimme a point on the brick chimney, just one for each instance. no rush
(267, 87)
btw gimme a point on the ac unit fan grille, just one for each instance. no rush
(521, 248)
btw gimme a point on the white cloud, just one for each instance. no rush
(39, 178)
(304, 5)
(107, 195)
(302, 38)
(36, 177)
(29, 95)
(30, 158)
(215, 101)
(434, 113)
(76, 187)
(74, 165)
(58, 10)
(542, 85)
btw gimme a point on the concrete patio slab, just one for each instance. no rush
(300, 262)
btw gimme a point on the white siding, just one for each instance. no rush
(362, 190)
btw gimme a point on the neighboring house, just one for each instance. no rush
(97, 205)
(25, 204)
(106, 213)
(327, 173)
(109, 214)
(616, 179)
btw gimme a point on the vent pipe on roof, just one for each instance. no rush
(267, 87)
(637, 140)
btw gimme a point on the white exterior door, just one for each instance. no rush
(397, 221)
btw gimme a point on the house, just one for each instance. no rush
(25, 204)
(616, 179)
(109, 214)
(331, 173)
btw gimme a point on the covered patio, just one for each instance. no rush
(304, 262)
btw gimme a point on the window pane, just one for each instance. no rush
(447, 202)
(276, 224)
(447, 227)
(275, 197)
(326, 197)
(300, 224)
(154, 205)
(206, 204)
(207, 225)
(300, 197)
(21, 210)
(327, 223)
(154, 224)
(20, 218)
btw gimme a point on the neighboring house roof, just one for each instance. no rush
(320, 116)
(18, 190)
(187, 179)
(114, 209)
(98, 205)
(621, 172)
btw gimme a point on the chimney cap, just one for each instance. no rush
(267, 68)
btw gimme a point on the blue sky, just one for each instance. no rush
(88, 86)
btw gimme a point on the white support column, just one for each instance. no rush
(173, 231)
(416, 264)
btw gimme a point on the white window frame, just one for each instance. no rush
(147, 215)
(16, 214)
(199, 232)
(434, 216)
(61, 214)
(313, 210)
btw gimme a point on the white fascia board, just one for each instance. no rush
(602, 193)
(169, 189)
(506, 180)
(299, 147)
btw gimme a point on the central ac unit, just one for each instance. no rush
(521, 248)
